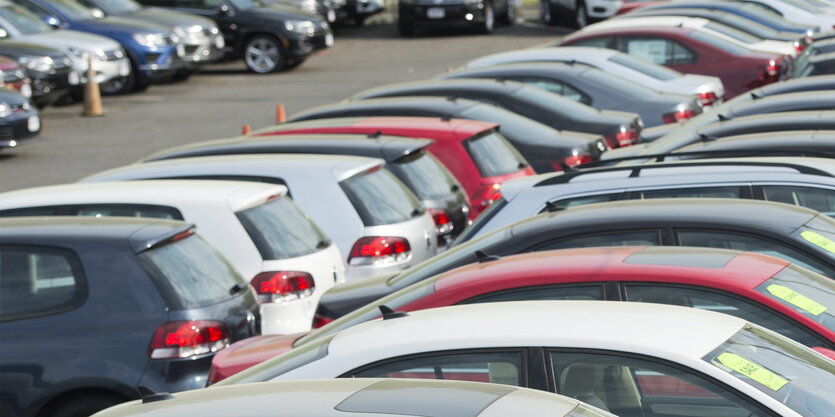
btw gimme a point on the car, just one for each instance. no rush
(281, 253)
(14, 77)
(481, 15)
(709, 90)
(619, 128)
(626, 358)
(757, 226)
(20, 122)
(269, 38)
(475, 152)
(546, 149)
(378, 225)
(815, 142)
(576, 13)
(691, 51)
(822, 47)
(800, 12)
(120, 296)
(730, 282)
(366, 397)
(593, 87)
(50, 69)
(815, 65)
(807, 183)
(326, 9)
(408, 159)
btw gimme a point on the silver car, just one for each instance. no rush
(377, 223)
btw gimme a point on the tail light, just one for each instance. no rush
(277, 286)
(185, 339)
(771, 72)
(678, 116)
(571, 161)
(707, 99)
(626, 137)
(488, 193)
(379, 249)
(442, 222)
(799, 47)
(320, 320)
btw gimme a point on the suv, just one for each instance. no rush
(125, 302)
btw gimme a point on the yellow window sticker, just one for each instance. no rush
(752, 370)
(819, 240)
(798, 300)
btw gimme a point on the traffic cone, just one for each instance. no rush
(92, 95)
(246, 130)
(280, 116)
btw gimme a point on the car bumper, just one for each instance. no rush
(601, 9)
(303, 46)
(104, 70)
(177, 375)
(48, 88)
(158, 63)
(442, 15)
(198, 50)
(19, 129)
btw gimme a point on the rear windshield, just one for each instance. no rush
(280, 230)
(719, 43)
(653, 70)
(809, 293)
(380, 198)
(193, 272)
(733, 33)
(494, 155)
(424, 175)
(629, 87)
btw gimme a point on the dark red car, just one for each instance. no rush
(475, 152)
(13, 76)
(768, 291)
(692, 52)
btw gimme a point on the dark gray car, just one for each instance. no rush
(791, 142)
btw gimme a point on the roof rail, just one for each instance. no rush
(729, 153)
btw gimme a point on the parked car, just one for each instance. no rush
(475, 152)
(815, 142)
(800, 12)
(282, 254)
(576, 13)
(326, 9)
(814, 65)
(122, 298)
(682, 359)
(546, 149)
(49, 68)
(438, 191)
(378, 225)
(708, 89)
(13, 77)
(593, 87)
(481, 15)
(20, 122)
(269, 38)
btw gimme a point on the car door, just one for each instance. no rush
(661, 51)
(223, 13)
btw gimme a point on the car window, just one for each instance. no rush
(23, 20)
(639, 238)
(280, 230)
(493, 367)
(556, 87)
(601, 42)
(72, 9)
(722, 303)
(380, 198)
(199, 4)
(818, 199)
(424, 175)
(550, 292)
(38, 281)
(494, 155)
(120, 6)
(698, 192)
(765, 7)
(732, 32)
(804, 291)
(632, 89)
(643, 66)
(587, 199)
(636, 387)
(719, 43)
(658, 50)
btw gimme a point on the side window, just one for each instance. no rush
(29, 211)
(735, 241)
(546, 84)
(554, 292)
(604, 42)
(494, 367)
(722, 303)
(587, 199)
(642, 238)
(700, 192)
(659, 51)
(634, 387)
(199, 4)
(818, 199)
(39, 281)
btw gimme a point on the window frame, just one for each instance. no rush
(537, 247)
(622, 44)
(476, 299)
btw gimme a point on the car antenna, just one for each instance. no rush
(483, 257)
(551, 207)
(706, 138)
(722, 117)
(755, 96)
(446, 118)
(388, 313)
(375, 135)
(149, 396)
(451, 98)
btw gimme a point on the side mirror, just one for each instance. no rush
(829, 353)
(52, 21)
(3, 33)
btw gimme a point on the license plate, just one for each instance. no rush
(435, 13)
(74, 78)
(33, 123)
(329, 40)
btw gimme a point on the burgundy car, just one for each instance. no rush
(692, 52)
(14, 77)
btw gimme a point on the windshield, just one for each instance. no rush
(806, 292)
(246, 4)
(118, 6)
(539, 97)
(23, 20)
(614, 82)
(380, 198)
(781, 368)
(733, 33)
(72, 9)
(719, 43)
(280, 230)
(424, 175)
(494, 155)
(820, 232)
(658, 72)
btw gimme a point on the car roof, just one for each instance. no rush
(537, 67)
(661, 21)
(464, 127)
(562, 52)
(788, 139)
(446, 104)
(464, 84)
(626, 30)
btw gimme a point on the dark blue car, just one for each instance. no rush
(155, 52)
(748, 11)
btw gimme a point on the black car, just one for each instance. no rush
(124, 302)
(619, 128)
(592, 87)
(268, 37)
(811, 142)
(49, 68)
(795, 233)
(20, 123)
(545, 148)
(440, 193)
(478, 14)
(809, 65)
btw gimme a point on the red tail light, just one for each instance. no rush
(771, 72)
(379, 249)
(626, 137)
(319, 321)
(571, 161)
(442, 222)
(799, 47)
(488, 193)
(707, 99)
(678, 116)
(184, 339)
(275, 286)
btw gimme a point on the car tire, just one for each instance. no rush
(486, 27)
(545, 13)
(263, 54)
(509, 17)
(581, 16)
(86, 406)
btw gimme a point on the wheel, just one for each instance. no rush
(85, 406)
(545, 12)
(509, 17)
(263, 54)
(406, 29)
(581, 18)
(489, 19)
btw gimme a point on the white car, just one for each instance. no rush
(581, 11)
(709, 89)
(798, 11)
(377, 223)
(632, 359)
(365, 397)
(257, 227)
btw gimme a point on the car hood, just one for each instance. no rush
(71, 39)
(121, 25)
(169, 18)
(16, 49)
(694, 84)
(277, 12)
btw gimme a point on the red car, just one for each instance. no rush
(692, 52)
(13, 76)
(769, 291)
(475, 152)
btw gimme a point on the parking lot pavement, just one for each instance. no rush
(218, 101)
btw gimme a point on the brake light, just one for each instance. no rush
(626, 137)
(707, 99)
(799, 47)
(488, 193)
(442, 223)
(320, 320)
(572, 161)
(678, 116)
(379, 249)
(185, 339)
(771, 72)
(278, 286)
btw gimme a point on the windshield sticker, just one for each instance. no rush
(819, 240)
(798, 300)
(752, 370)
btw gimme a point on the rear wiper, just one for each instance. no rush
(236, 289)
(322, 244)
(417, 212)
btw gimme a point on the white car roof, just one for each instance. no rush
(665, 21)
(546, 53)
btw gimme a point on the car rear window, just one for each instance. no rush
(380, 198)
(424, 175)
(192, 273)
(494, 155)
(733, 33)
(653, 70)
(719, 43)
(809, 293)
(281, 230)
(632, 89)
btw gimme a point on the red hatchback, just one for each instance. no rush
(692, 52)
(768, 291)
(475, 152)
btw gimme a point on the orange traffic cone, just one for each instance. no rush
(246, 130)
(92, 95)
(280, 116)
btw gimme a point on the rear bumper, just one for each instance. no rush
(303, 46)
(442, 15)
(176, 375)
(19, 129)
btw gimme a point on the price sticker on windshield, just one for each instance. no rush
(819, 240)
(796, 299)
(752, 370)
